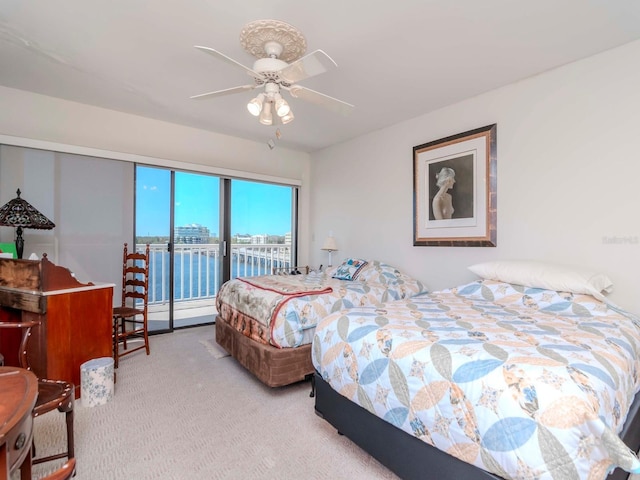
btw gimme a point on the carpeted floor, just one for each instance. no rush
(213, 348)
(189, 412)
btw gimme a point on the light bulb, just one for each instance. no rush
(255, 105)
(265, 115)
(282, 107)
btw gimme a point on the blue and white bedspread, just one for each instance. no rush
(524, 383)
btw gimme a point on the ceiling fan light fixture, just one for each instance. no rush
(280, 64)
(255, 105)
(266, 117)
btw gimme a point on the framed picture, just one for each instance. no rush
(454, 190)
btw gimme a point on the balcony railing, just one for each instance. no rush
(197, 274)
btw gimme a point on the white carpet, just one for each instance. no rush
(182, 413)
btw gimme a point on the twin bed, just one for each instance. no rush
(487, 380)
(267, 322)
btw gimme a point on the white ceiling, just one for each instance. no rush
(396, 59)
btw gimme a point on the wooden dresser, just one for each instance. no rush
(75, 318)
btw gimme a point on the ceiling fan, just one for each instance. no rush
(280, 65)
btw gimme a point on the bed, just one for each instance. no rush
(504, 380)
(267, 322)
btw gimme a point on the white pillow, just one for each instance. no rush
(561, 278)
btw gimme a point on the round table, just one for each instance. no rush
(19, 389)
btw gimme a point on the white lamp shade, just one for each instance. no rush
(330, 244)
(265, 116)
(282, 107)
(255, 105)
(287, 118)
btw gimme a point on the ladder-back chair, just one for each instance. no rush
(52, 394)
(130, 320)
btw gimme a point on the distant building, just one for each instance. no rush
(243, 238)
(259, 239)
(191, 234)
(287, 238)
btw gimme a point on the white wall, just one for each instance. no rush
(568, 178)
(38, 121)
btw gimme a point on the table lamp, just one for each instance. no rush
(330, 246)
(21, 214)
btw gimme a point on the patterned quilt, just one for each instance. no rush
(524, 383)
(283, 310)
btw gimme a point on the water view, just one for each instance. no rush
(187, 210)
(197, 268)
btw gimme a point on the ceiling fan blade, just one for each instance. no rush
(320, 99)
(228, 91)
(229, 60)
(313, 64)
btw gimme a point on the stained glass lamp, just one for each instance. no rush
(21, 214)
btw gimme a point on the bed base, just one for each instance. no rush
(411, 458)
(275, 367)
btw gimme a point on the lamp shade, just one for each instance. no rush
(330, 244)
(282, 107)
(288, 118)
(255, 105)
(21, 214)
(265, 115)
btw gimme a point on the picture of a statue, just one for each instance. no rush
(442, 201)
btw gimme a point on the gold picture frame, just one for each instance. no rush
(454, 190)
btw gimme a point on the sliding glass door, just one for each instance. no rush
(196, 258)
(204, 230)
(178, 214)
(261, 227)
(153, 212)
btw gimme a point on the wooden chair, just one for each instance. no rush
(52, 394)
(130, 319)
(65, 472)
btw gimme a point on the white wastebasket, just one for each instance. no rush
(96, 379)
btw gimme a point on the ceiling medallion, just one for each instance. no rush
(255, 35)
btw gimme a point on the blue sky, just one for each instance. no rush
(256, 207)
